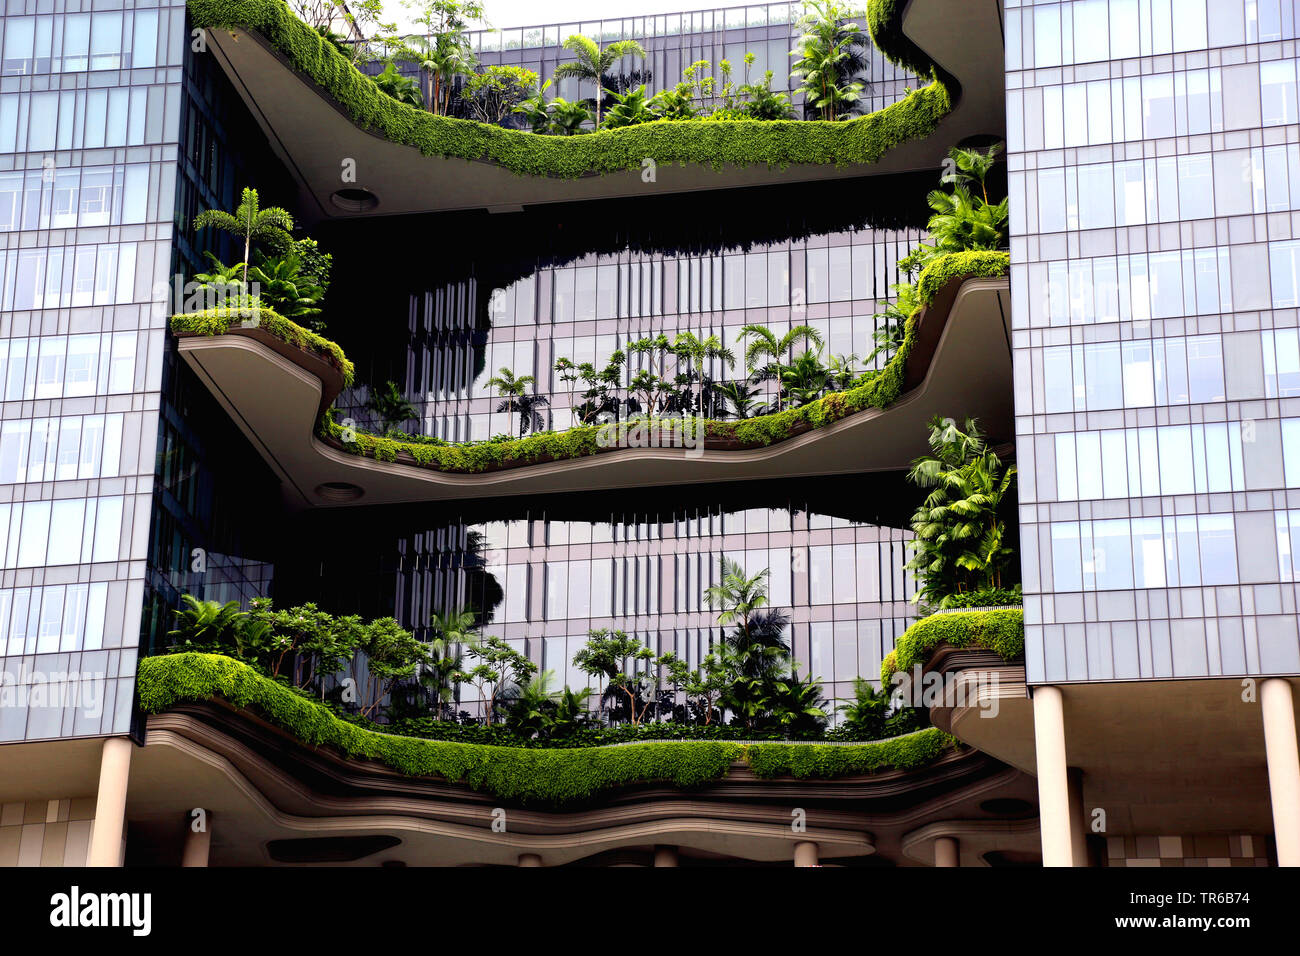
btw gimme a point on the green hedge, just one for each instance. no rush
(715, 144)
(516, 774)
(219, 321)
(877, 390)
(804, 761)
(885, 24)
(1001, 631)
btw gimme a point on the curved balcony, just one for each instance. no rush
(288, 782)
(319, 113)
(955, 361)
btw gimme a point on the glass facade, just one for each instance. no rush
(89, 109)
(1153, 169)
(675, 41)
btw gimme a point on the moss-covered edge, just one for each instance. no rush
(876, 391)
(716, 144)
(885, 24)
(517, 774)
(1001, 630)
(219, 321)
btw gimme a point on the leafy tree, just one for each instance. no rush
(793, 705)
(250, 222)
(391, 406)
(497, 90)
(677, 103)
(399, 87)
(392, 654)
(842, 372)
(606, 656)
(593, 62)
(767, 345)
(223, 285)
(960, 536)
(962, 221)
(599, 398)
(829, 54)
(499, 666)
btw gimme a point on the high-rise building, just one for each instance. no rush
(562, 384)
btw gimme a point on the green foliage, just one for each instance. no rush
(592, 62)
(497, 90)
(960, 534)
(402, 89)
(219, 321)
(875, 389)
(717, 144)
(629, 108)
(885, 24)
(988, 597)
(805, 761)
(1001, 631)
(251, 223)
(539, 776)
(391, 406)
(828, 55)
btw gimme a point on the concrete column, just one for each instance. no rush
(1278, 708)
(1053, 778)
(529, 859)
(945, 852)
(197, 842)
(1078, 818)
(665, 856)
(805, 853)
(110, 804)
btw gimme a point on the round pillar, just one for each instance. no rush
(198, 843)
(1277, 705)
(945, 852)
(110, 803)
(1053, 777)
(805, 853)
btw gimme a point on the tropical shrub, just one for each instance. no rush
(960, 541)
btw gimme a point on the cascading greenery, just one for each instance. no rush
(537, 776)
(716, 144)
(1001, 630)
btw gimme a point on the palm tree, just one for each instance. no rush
(842, 370)
(441, 60)
(448, 630)
(805, 379)
(830, 54)
(593, 63)
(697, 351)
(250, 221)
(766, 344)
(738, 595)
(391, 405)
(510, 388)
(973, 165)
(868, 710)
(531, 705)
(740, 396)
(959, 535)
